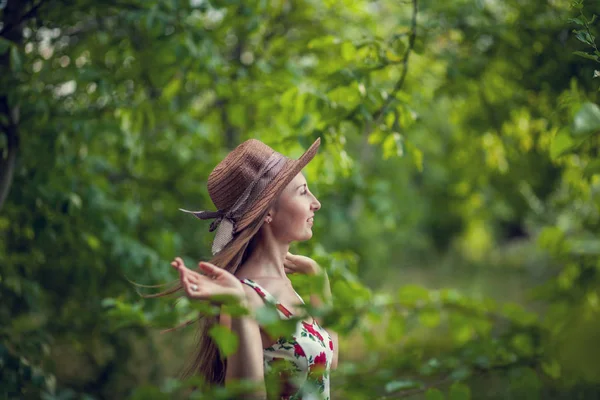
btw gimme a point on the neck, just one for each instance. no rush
(266, 259)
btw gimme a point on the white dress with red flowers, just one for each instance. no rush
(301, 362)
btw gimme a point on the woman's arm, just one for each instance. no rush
(247, 362)
(305, 265)
(316, 301)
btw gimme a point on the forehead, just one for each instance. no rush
(298, 180)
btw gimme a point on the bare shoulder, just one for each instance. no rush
(254, 303)
(253, 298)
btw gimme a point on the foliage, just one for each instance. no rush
(460, 137)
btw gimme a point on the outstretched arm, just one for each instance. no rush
(247, 362)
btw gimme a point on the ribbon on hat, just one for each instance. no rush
(224, 224)
(225, 221)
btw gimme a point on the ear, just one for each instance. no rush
(269, 217)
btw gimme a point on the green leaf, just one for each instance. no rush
(171, 89)
(552, 369)
(522, 344)
(592, 168)
(399, 46)
(393, 146)
(204, 307)
(395, 328)
(459, 391)
(430, 318)
(5, 44)
(348, 51)
(395, 386)
(92, 241)
(148, 392)
(323, 42)
(412, 293)
(434, 394)
(416, 154)
(577, 21)
(551, 237)
(226, 340)
(517, 313)
(587, 120)
(561, 144)
(584, 246)
(584, 37)
(461, 373)
(589, 56)
(15, 59)
(267, 315)
(27, 323)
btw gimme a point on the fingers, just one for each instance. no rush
(177, 263)
(192, 285)
(289, 264)
(209, 269)
(184, 273)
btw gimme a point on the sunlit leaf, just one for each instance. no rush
(561, 143)
(226, 340)
(587, 120)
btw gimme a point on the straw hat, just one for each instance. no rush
(243, 185)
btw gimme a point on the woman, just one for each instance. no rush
(263, 204)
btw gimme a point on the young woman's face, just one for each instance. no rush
(292, 216)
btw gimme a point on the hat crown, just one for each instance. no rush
(230, 178)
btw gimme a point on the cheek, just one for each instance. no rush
(292, 217)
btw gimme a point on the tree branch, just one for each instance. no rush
(7, 164)
(29, 14)
(411, 43)
(10, 122)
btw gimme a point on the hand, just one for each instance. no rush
(215, 285)
(300, 264)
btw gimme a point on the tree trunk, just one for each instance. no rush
(13, 17)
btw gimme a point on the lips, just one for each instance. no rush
(310, 220)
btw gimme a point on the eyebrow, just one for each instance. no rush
(304, 184)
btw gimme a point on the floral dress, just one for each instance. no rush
(303, 360)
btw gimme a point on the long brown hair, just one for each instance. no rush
(206, 361)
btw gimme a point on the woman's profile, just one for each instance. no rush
(263, 204)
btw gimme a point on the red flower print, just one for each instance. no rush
(260, 292)
(298, 350)
(284, 310)
(331, 345)
(312, 331)
(319, 365)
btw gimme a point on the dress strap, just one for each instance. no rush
(268, 297)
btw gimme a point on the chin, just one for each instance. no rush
(306, 236)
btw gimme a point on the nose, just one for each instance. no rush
(315, 205)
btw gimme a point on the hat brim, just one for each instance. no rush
(289, 171)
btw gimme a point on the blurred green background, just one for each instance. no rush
(459, 177)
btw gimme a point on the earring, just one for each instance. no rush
(268, 220)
